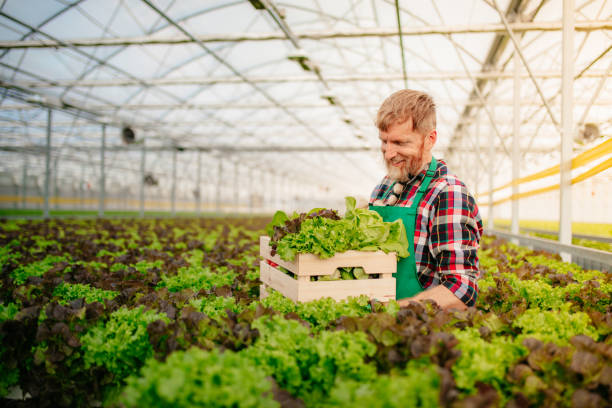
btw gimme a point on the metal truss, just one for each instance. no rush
(516, 27)
(328, 108)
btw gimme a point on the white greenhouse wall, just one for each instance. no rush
(591, 202)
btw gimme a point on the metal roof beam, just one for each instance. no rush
(244, 79)
(416, 76)
(216, 106)
(592, 25)
(206, 122)
(223, 149)
(498, 45)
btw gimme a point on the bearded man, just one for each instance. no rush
(441, 217)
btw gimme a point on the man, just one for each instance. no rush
(440, 215)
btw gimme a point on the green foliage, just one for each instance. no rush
(8, 254)
(556, 265)
(21, 273)
(537, 293)
(484, 361)
(121, 344)
(360, 229)
(215, 307)
(319, 313)
(320, 236)
(8, 311)
(418, 387)
(105, 252)
(374, 233)
(322, 311)
(144, 266)
(8, 379)
(116, 267)
(308, 366)
(194, 257)
(555, 326)
(41, 244)
(197, 278)
(10, 376)
(327, 353)
(195, 378)
(67, 292)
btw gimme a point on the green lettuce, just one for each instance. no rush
(323, 235)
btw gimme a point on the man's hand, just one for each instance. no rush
(439, 294)
(361, 203)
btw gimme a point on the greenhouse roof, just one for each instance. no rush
(291, 88)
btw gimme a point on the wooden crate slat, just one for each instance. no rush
(263, 291)
(382, 289)
(265, 250)
(309, 264)
(306, 265)
(278, 280)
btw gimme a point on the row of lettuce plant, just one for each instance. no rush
(167, 313)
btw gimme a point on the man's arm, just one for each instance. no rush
(453, 242)
(439, 294)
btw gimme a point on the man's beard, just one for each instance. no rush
(412, 167)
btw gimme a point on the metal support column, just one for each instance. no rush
(250, 189)
(516, 154)
(82, 187)
(236, 205)
(491, 221)
(478, 161)
(143, 158)
(275, 179)
(24, 181)
(173, 191)
(198, 183)
(263, 191)
(567, 96)
(55, 173)
(463, 164)
(47, 166)
(218, 194)
(269, 192)
(284, 194)
(102, 173)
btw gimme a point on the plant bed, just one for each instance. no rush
(379, 265)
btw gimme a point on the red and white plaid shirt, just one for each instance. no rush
(447, 232)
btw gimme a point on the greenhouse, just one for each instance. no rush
(192, 212)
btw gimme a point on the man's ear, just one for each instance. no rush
(431, 138)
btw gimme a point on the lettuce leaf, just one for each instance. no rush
(321, 233)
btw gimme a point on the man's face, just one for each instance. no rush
(403, 150)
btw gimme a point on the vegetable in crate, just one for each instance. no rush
(322, 232)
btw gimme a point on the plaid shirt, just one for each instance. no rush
(447, 232)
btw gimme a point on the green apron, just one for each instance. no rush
(406, 280)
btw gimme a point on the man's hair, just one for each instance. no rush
(405, 104)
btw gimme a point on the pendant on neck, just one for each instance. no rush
(398, 188)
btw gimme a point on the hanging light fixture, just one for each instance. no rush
(330, 97)
(127, 135)
(587, 132)
(301, 58)
(257, 4)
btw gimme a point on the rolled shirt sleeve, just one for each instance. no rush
(454, 241)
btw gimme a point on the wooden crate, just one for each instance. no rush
(306, 265)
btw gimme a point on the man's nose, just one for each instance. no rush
(389, 152)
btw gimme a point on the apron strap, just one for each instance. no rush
(425, 184)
